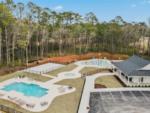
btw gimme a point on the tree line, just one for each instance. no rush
(29, 32)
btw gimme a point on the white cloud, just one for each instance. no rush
(58, 8)
(145, 2)
(133, 5)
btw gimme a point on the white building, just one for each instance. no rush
(134, 71)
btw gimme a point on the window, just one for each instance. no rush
(130, 79)
(142, 79)
(123, 74)
(115, 69)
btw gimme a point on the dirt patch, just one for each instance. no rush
(100, 86)
(65, 59)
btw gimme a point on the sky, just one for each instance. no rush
(105, 10)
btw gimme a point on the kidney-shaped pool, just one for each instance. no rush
(26, 89)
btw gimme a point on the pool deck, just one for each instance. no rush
(32, 103)
(35, 104)
(40, 104)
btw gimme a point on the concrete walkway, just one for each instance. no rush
(66, 75)
(88, 87)
(46, 75)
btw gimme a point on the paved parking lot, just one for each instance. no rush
(120, 102)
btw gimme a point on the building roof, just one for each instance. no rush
(147, 67)
(133, 66)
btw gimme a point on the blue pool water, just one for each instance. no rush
(27, 89)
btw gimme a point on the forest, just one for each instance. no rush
(29, 32)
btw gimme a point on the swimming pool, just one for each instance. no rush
(26, 89)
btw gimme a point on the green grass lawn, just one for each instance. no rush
(88, 69)
(62, 69)
(67, 103)
(62, 104)
(94, 70)
(109, 82)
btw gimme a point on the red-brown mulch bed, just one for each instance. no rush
(100, 86)
(72, 58)
(64, 59)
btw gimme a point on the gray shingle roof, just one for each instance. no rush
(140, 73)
(132, 65)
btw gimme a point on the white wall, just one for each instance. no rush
(136, 79)
(147, 79)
